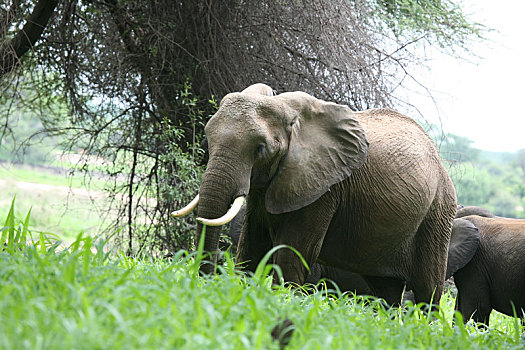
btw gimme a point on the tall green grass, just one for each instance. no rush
(85, 296)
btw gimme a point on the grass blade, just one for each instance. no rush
(8, 235)
(25, 228)
(199, 254)
(261, 270)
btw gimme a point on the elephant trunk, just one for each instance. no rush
(218, 189)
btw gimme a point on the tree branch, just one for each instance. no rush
(26, 38)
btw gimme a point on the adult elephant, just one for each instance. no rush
(487, 260)
(363, 191)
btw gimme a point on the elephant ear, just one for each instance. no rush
(464, 242)
(327, 144)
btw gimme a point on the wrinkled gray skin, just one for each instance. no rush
(473, 210)
(487, 260)
(361, 191)
(346, 281)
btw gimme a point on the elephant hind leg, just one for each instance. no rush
(390, 289)
(430, 256)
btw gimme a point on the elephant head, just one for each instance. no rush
(464, 241)
(290, 148)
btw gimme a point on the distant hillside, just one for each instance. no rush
(494, 180)
(498, 157)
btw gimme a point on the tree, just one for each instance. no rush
(520, 162)
(458, 149)
(138, 76)
(15, 42)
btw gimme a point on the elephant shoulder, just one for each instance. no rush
(398, 144)
(492, 229)
(500, 225)
(387, 114)
(386, 125)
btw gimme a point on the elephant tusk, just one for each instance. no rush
(187, 209)
(226, 218)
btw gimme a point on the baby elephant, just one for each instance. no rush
(487, 259)
(473, 210)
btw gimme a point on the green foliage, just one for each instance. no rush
(472, 184)
(458, 148)
(86, 295)
(13, 236)
(16, 146)
(29, 117)
(177, 179)
(487, 179)
(485, 184)
(439, 21)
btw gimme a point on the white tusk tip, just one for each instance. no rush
(187, 209)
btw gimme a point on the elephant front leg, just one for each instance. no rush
(304, 230)
(292, 265)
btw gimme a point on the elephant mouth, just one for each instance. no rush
(259, 180)
(262, 175)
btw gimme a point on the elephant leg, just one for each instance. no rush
(390, 289)
(292, 268)
(291, 265)
(478, 310)
(254, 243)
(429, 258)
(482, 315)
(303, 230)
(315, 274)
(473, 300)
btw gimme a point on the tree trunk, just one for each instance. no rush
(26, 38)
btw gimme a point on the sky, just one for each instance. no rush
(483, 98)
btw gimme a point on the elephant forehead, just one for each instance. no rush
(231, 115)
(242, 113)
